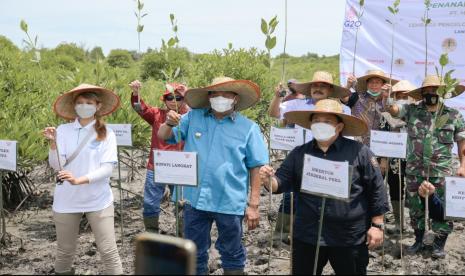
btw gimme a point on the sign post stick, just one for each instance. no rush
(120, 198)
(320, 227)
(401, 215)
(177, 210)
(2, 214)
(386, 175)
(291, 234)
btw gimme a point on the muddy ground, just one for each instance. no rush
(31, 246)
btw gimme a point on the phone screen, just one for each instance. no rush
(162, 256)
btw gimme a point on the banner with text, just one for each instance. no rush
(446, 34)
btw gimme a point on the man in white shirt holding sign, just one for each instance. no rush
(349, 228)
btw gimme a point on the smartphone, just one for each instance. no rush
(166, 255)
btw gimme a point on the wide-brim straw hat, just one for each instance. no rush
(324, 77)
(248, 92)
(64, 104)
(362, 81)
(403, 86)
(353, 126)
(434, 81)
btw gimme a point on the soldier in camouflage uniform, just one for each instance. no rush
(429, 157)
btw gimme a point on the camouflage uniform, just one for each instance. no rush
(368, 108)
(429, 153)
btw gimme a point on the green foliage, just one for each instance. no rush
(268, 29)
(66, 62)
(156, 63)
(7, 45)
(120, 58)
(139, 16)
(30, 44)
(72, 50)
(445, 92)
(96, 54)
(27, 91)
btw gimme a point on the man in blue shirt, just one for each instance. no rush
(231, 150)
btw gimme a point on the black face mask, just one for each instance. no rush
(430, 99)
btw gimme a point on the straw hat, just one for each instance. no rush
(362, 81)
(403, 86)
(64, 104)
(353, 126)
(434, 81)
(177, 87)
(248, 92)
(324, 77)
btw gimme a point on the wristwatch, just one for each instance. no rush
(379, 226)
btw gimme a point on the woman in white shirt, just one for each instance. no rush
(84, 152)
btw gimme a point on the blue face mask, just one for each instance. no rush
(374, 94)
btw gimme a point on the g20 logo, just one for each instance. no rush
(352, 23)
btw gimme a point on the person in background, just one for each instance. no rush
(155, 117)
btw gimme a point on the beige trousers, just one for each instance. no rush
(102, 224)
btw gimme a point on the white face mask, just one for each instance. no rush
(85, 111)
(402, 102)
(221, 104)
(323, 132)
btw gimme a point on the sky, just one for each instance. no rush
(314, 26)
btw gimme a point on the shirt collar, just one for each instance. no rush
(310, 101)
(337, 144)
(77, 125)
(232, 116)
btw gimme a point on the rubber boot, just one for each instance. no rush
(233, 272)
(418, 245)
(71, 272)
(151, 224)
(438, 246)
(284, 221)
(398, 219)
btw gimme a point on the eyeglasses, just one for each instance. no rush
(171, 97)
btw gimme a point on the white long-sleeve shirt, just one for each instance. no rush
(95, 161)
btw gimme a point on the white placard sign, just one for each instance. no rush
(455, 198)
(388, 144)
(123, 133)
(325, 178)
(175, 167)
(286, 138)
(8, 154)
